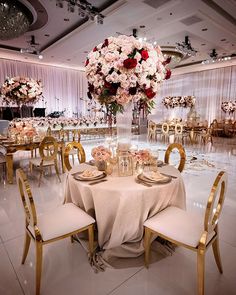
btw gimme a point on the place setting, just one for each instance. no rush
(91, 177)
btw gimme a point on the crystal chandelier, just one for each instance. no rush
(83, 8)
(213, 57)
(15, 19)
(186, 47)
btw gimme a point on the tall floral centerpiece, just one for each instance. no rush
(228, 107)
(21, 90)
(122, 70)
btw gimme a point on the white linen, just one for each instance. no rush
(120, 207)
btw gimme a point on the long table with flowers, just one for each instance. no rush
(121, 205)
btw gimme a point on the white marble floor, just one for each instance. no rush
(65, 266)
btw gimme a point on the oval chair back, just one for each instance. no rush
(80, 153)
(178, 129)
(213, 210)
(26, 198)
(182, 154)
(165, 128)
(48, 148)
(151, 130)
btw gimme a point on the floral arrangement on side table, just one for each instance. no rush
(179, 101)
(124, 69)
(21, 90)
(228, 106)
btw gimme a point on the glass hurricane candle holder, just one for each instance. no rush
(125, 164)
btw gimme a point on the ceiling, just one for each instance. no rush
(65, 38)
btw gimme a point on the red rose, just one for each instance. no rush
(87, 61)
(144, 54)
(167, 61)
(107, 84)
(105, 43)
(150, 94)
(168, 74)
(95, 49)
(130, 63)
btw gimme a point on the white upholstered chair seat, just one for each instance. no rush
(37, 161)
(178, 225)
(61, 221)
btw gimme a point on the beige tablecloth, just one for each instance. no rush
(120, 206)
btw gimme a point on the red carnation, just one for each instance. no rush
(150, 94)
(87, 62)
(130, 63)
(168, 74)
(95, 49)
(144, 54)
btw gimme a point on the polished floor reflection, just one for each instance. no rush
(66, 267)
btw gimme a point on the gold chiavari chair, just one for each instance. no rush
(185, 229)
(76, 136)
(48, 150)
(151, 131)
(182, 154)
(72, 146)
(62, 222)
(3, 164)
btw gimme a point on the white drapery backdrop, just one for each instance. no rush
(210, 88)
(62, 88)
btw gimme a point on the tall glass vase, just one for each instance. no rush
(124, 125)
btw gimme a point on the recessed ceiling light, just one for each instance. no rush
(46, 35)
(171, 13)
(159, 18)
(52, 56)
(205, 29)
(203, 44)
(66, 19)
(142, 27)
(68, 59)
(223, 40)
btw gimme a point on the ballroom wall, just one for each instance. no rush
(210, 88)
(62, 88)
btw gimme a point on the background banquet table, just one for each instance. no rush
(120, 206)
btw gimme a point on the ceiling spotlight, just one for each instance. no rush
(40, 56)
(98, 19)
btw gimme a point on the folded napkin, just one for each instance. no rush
(154, 176)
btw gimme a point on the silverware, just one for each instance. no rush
(97, 181)
(168, 175)
(143, 183)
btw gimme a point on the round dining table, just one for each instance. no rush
(120, 206)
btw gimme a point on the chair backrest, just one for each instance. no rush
(48, 148)
(26, 197)
(76, 135)
(213, 210)
(49, 132)
(165, 128)
(80, 153)
(182, 154)
(178, 128)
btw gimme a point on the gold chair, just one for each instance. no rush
(182, 154)
(3, 153)
(69, 149)
(62, 222)
(151, 131)
(48, 150)
(184, 229)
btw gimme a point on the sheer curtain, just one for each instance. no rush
(63, 89)
(210, 88)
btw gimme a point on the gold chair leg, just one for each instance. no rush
(57, 172)
(26, 247)
(91, 239)
(39, 254)
(147, 244)
(71, 239)
(40, 176)
(216, 251)
(201, 270)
